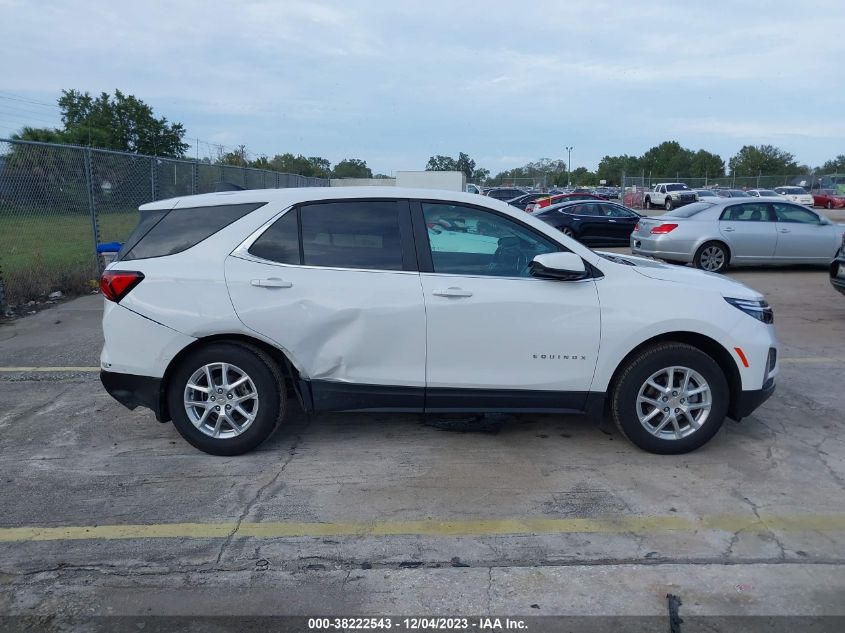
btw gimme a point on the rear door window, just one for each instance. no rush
(749, 212)
(181, 229)
(352, 234)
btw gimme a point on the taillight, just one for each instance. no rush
(662, 229)
(116, 284)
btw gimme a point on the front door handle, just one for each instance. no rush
(728, 229)
(784, 231)
(272, 282)
(613, 221)
(452, 291)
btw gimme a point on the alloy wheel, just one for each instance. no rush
(674, 402)
(712, 258)
(221, 400)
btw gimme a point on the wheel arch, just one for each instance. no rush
(709, 346)
(288, 370)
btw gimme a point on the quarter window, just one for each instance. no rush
(280, 242)
(468, 241)
(178, 230)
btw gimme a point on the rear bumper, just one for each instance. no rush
(747, 401)
(136, 391)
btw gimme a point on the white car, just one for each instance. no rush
(795, 194)
(404, 300)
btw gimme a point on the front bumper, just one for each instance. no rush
(136, 391)
(745, 402)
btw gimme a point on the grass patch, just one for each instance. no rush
(41, 253)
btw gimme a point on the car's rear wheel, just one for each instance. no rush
(226, 398)
(568, 232)
(647, 203)
(829, 205)
(712, 257)
(671, 398)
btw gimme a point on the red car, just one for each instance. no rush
(828, 198)
(559, 197)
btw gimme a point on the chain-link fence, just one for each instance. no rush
(57, 202)
(635, 187)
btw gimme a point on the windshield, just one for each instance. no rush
(677, 187)
(767, 192)
(792, 191)
(689, 210)
(705, 193)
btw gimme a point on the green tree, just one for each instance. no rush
(441, 163)
(583, 176)
(834, 166)
(480, 175)
(765, 160)
(706, 165)
(312, 166)
(352, 168)
(667, 159)
(239, 157)
(465, 164)
(611, 168)
(119, 122)
(43, 134)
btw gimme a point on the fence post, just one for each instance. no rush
(92, 206)
(245, 178)
(153, 183)
(195, 168)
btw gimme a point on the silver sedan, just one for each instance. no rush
(738, 231)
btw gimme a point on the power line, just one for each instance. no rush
(13, 97)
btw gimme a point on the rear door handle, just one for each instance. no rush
(728, 229)
(614, 221)
(272, 282)
(452, 291)
(784, 231)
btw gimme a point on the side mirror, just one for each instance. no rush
(560, 266)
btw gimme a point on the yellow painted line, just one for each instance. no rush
(47, 369)
(484, 527)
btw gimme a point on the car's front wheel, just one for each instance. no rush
(568, 232)
(226, 398)
(668, 204)
(670, 398)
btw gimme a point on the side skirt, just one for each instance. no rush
(326, 395)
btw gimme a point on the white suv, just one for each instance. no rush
(382, 299)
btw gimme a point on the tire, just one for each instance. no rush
(668, 204)
(713, 257)
(261, 396)
(650, 364)
(829, 205)
(647, 203)
(568, 232)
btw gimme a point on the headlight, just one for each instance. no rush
(760, 310)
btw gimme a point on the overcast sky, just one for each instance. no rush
(395, 82)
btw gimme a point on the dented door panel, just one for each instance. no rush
(355, 326)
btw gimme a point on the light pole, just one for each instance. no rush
(568, 165)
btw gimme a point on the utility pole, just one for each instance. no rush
(569, 166)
